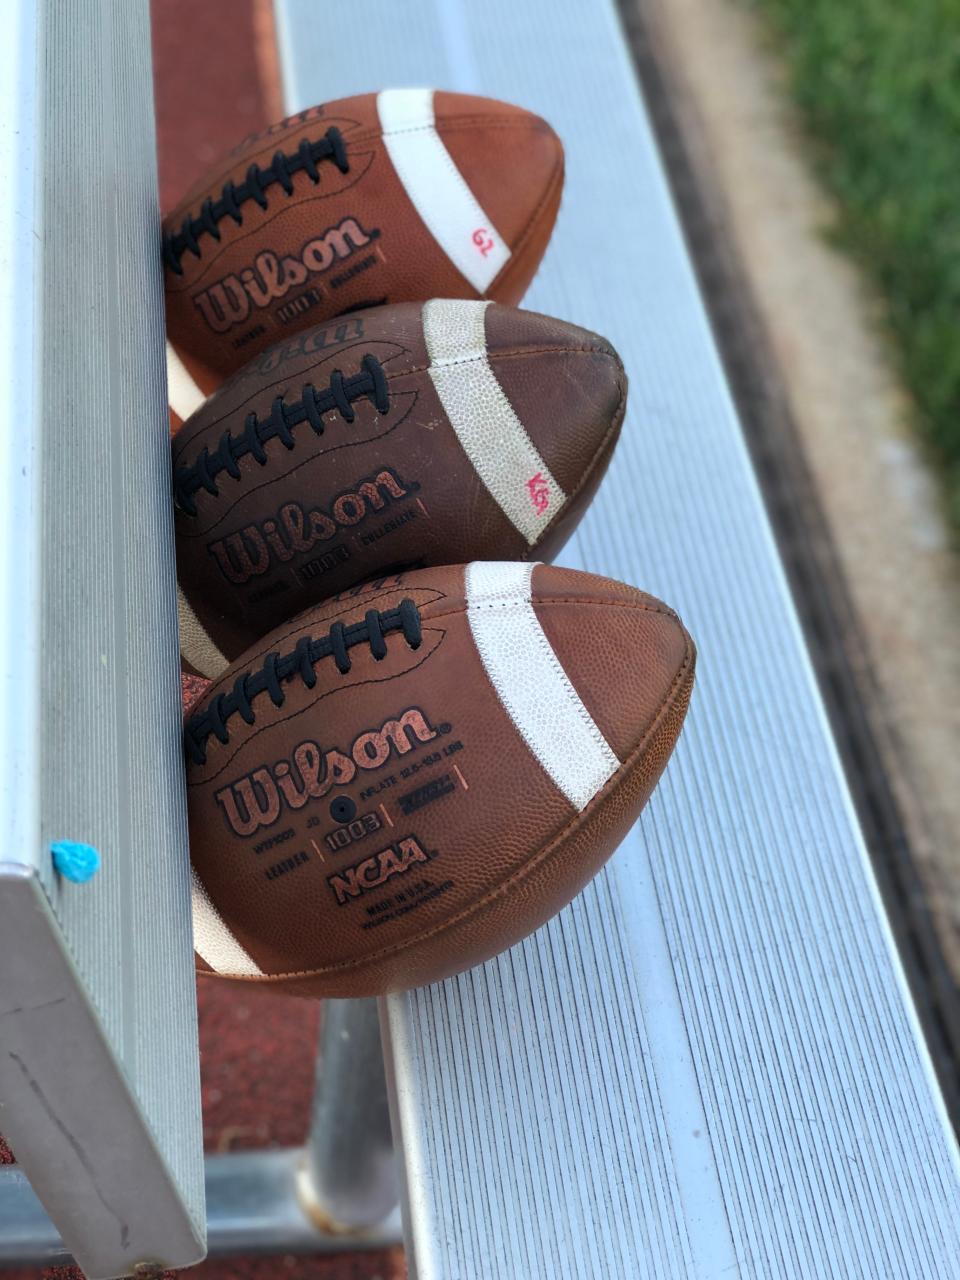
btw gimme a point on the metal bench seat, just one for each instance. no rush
(708, 1065)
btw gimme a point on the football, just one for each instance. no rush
(405, 780)
(386, 197)
(188, 385)
(405, 436)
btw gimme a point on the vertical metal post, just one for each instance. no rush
(349, 1180)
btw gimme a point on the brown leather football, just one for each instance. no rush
(409, 778)
(389, 197)
(405, 436)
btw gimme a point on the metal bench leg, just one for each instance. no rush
(340, 1192)
(349, 1179)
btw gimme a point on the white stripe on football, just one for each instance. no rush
(437, 188)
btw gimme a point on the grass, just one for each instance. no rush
(878, 85)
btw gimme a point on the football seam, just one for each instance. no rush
(521, 873)
(570, 498)
(513, 354)
(287, 636)
(461, 610)
(204, 268)
(281, 720)
(217, 518)
(556, 180)
(459, 124)
(240, 412)
(487, 354)
(375, 135)
(455, 612)
(246, 153)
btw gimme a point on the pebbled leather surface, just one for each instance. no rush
(511, 160)
(608, 653)
(460, 842)
(421, 501)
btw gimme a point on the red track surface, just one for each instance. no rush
(217, 79)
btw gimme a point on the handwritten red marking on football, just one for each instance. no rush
(483, 240)
(539, 492)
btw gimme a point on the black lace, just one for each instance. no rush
(279, 172)
(278, 425)
(280, 669)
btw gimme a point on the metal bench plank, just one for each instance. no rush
(99, 1079)
(709, 1064)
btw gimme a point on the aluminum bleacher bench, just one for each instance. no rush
(708, 1065)
(99, 1086)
